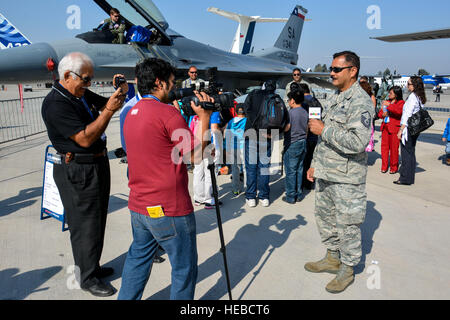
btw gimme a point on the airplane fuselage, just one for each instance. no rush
(110, 59)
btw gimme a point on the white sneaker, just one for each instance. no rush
(264, 202)
(251, 202)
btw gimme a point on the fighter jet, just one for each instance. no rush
(38, 61)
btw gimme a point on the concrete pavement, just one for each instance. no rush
(405, 235)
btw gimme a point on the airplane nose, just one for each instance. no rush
(26, 63)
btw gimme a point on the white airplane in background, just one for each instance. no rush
(402, 82)
(244, 34)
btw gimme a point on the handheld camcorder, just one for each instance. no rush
(222, 101)
(118, 81)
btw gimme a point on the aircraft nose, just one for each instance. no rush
(26, 64)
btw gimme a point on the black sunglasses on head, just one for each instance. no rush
(338, 69)
(86, 79)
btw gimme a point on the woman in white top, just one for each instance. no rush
(408, 146)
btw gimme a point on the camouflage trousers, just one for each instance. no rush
(340, 210)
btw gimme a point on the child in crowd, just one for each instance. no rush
(446, 138)
(234, 142)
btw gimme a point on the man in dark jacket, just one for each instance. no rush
(76, 130)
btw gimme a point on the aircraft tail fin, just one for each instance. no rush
(289, 38)
(286, 46)
(244, 34)
(10, 36)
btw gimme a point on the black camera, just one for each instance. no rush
(222, 101)
(118, 81)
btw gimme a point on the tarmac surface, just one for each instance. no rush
(405, 234)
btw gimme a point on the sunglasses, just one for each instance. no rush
(296, 74)
(338, 69)
(86, 79)
(192, 71)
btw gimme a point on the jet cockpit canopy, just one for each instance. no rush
(135, 13)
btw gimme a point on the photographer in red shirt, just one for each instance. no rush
(158, 139)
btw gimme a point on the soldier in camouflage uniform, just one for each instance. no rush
(340, 167)
(297, 78)
(193, 78)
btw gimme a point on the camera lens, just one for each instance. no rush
(179, 94)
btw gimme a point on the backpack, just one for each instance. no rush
(138, 34)
(313, 103)
(271, 113)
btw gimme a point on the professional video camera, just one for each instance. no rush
(222, 100)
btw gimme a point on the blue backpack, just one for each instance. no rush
(138, 34)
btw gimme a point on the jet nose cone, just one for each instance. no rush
(26, 64)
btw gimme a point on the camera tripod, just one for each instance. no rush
(211, 168)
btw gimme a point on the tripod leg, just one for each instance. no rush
(219, 224)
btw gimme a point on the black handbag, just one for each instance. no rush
(419, 121)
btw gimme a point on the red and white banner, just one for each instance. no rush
(21, 97)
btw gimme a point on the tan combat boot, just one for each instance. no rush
(343, 279)
(328, 264)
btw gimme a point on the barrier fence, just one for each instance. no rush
(17, 124)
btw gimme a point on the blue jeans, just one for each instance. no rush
(237, 169)
(177, 235)
(257, 168)
(293, 162)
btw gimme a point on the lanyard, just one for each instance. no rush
(103, 136)
(82, 99)
(87, 107)
(149, 96)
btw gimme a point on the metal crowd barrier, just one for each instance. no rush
(17, 124)
(437, 109)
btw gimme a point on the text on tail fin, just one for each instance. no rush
(9, 35)
(289, 38)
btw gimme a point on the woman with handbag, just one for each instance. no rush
(408, 141)
(390, 116)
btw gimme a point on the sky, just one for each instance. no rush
(335, 26)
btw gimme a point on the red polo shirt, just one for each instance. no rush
(156, 135)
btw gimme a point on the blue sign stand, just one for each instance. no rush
(51, 204)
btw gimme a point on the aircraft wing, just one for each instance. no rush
(122, 64)
(315, 74)
(426, 35)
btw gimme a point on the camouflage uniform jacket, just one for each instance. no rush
(115, 27)
(340, 155)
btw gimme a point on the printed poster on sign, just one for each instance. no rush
(51, 199)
